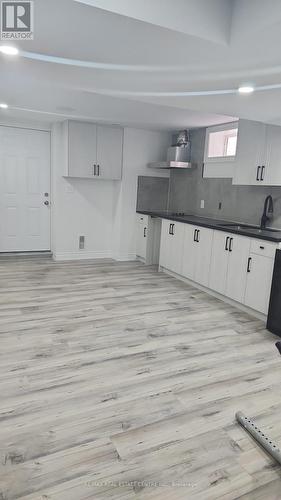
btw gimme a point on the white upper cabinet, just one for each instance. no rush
(250, 154)
(272, 170)
(258, 156)
(93, 151)
(81, 143)
(109, 152)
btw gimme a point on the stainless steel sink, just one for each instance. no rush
(250, 229)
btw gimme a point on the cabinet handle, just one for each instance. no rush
(144, 232)
(98, 170)
(94, 173)
(226, 243)
(170, 229)
(262, 173)
(249, 265)
(195, 234)
(173, 229)
(262, 248)
(198, 236)
(230, 244)
(258, 174)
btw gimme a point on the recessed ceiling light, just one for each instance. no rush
(246, 89)
(8, 50)
(3, 106)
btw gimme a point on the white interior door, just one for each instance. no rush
(24, 190)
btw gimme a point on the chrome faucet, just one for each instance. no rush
(267, 209)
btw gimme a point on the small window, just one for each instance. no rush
(221, 142)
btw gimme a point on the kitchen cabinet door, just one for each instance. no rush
(250, 153)
(272, 166)
(239, 251)
(176, 247)
(190, 249)
(81, 141)
(109, 152)
(203, 255)
(258, 283)
(142, 236)
(219, 262)
(165, 243)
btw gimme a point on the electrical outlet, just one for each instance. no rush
(81, 242)
(202, 204)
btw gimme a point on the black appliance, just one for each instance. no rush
(274, 311)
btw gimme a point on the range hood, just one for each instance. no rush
(178, 155)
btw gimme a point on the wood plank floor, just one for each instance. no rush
(119, 382)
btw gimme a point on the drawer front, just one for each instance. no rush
(265, 248)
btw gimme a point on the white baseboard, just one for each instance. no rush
(231, 302)
(124, 257)
(57, 256)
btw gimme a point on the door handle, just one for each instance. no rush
(198, 235)
(46, 203)
(226, 243)
(144, 232)
(249, 265)
(230, 244)
(262, 173)
(258, 173)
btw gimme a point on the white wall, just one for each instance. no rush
(102, 211)
(140, 148)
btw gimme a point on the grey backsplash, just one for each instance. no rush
(152, 193)
(239, 203)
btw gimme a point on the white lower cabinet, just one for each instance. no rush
(239, 248)
(258, 284)
(235, 266)
(171, 247)
(142, 236)
(219, 262)
(197, 248)
(229, 265)
(148, 238)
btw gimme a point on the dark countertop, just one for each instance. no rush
(218, 224)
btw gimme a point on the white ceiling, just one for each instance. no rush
(131, 61)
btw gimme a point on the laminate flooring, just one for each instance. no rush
(119, 382)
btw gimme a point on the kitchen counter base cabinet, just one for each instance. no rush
(237, 267)
(197, 248)
(229, 265)
(171, 246)
(258, 285)
(148, 239)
